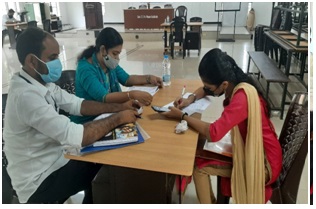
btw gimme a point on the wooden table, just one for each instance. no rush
(11, 27)
(165, 151)
(146, 18)
(287, 42)
(166, 27)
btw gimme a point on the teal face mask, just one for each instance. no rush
(54, 71)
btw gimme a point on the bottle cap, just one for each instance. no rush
(165, 56)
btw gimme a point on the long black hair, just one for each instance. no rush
(217, 66)
(109, 37)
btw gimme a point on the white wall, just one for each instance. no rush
(72, 12)
(114, 11)
(263, 11)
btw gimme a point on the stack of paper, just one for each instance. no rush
(150, 89)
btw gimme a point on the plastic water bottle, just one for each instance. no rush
(166, 74)
(168, 19)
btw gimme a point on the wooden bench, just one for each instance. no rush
(271, 73)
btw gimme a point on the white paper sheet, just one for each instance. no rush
(150, 89)
(197, 107)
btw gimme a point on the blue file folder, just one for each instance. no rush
(91, 148)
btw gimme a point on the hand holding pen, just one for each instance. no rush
(181, 102)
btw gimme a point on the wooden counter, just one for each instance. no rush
(146, 18)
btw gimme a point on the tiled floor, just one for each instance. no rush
(140, 57)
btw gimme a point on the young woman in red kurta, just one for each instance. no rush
(220, 75)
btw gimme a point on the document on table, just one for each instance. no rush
(150, 89)
(197, 107)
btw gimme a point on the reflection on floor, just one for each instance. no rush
(145, 57)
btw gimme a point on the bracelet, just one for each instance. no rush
(148, 79)
(194, 97)
(128, 95)
(184, 114)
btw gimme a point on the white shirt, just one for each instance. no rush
(5, 19)
(35, 134)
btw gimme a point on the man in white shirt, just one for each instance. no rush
(35, 134)
(8, 18)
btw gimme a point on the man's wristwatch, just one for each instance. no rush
(194, 95)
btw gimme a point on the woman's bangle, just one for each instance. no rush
(148, 79)
(184, 114)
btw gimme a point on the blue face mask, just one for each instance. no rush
(54, 71)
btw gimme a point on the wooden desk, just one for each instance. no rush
(286, 41)
(146, 18)
(11, 27)
(165, 153)
(166, 27)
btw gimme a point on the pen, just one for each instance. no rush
(183, 91)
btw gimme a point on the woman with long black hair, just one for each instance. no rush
(257, 155)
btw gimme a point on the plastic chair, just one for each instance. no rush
(193, 37)
(143, 6)
(47, 26)
(181, 11)
(178, 29)
(131, 7)
(32, 23)
(196, 28)
(167, 6)
(156, 7)
(294, 144)
(67, 81)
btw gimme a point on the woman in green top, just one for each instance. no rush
(98, 74)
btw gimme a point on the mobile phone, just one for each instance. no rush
(160, 109)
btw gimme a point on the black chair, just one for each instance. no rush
(181, 11)
(193, 37)
(67, 82)
(294, 143)
(167, 6)
(195, 28)
(32, 23)
(178, 29)
(143, 6)
(47, 26)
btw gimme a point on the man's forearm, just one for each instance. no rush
(94, 130)
(97, 108)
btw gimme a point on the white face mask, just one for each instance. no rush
(110, 62)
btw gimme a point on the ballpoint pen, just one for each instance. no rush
(183, 91)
